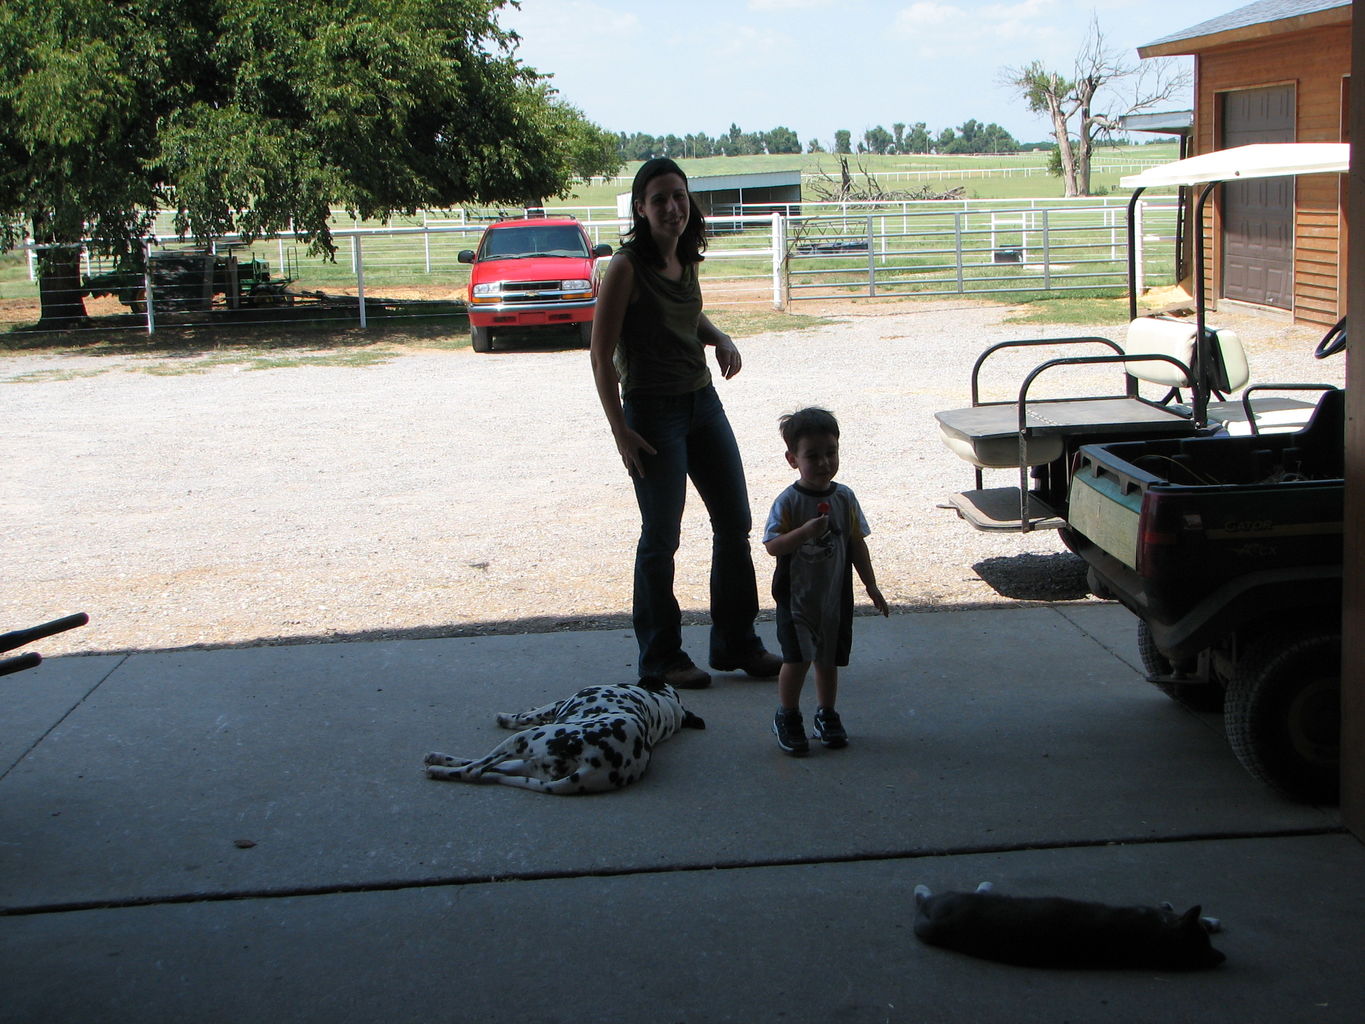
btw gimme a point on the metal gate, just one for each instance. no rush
(978, 250)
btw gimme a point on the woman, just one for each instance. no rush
(649, 343)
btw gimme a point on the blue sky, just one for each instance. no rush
(816, 66)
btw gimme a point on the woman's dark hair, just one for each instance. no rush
(693, 241)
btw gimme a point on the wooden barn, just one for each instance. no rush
(1274, 71)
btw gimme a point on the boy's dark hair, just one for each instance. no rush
(805, 423)
(693, 241)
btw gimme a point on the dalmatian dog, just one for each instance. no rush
(599, 739)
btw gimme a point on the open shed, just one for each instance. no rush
(727, 195)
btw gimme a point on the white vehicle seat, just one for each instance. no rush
(987, 434)
(1274, 414)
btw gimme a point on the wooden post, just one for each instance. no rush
(147, 286)
(359, 276)
(1353, 552)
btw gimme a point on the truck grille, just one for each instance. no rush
(531, 291)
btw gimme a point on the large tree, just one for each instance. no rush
(878, 139)
(974, 137)
(591, 150)
(256, 116)
(782, 140)
(1104, 87)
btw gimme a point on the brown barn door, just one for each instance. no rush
(1258, 216)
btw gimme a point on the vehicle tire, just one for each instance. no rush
(1195, 696)
(481, 338)
(585, 333)
(1283, 712)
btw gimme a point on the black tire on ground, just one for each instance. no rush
(1283, 712)
(585, 333)
(1195, 696)
(481, 338)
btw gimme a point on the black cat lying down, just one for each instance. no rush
(1056, 932)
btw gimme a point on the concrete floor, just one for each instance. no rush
(247, 835)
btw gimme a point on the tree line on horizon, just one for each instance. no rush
(969, 137)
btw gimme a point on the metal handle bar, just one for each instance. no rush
(19, 637)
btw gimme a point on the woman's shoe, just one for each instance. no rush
(687, 677)
(760, 665)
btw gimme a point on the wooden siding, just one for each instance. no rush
(1314, 62)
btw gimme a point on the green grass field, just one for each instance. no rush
(963, 171)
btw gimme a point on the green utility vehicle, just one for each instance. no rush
(1216, 520)
(1228, 549)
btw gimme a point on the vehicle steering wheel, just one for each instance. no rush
(1332, 342)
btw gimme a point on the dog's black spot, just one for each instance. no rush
(565, 745)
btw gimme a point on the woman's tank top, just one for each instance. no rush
(660, 352)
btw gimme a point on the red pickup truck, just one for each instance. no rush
(533, 273)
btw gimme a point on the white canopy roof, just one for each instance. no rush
(1264, 160)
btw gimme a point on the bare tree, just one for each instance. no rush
(825, 189)
(1102, 75)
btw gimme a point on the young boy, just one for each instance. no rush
(815, 531)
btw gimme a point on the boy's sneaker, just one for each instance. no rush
(791, 732)
(828, 729)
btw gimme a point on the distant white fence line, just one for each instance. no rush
(819, 250)
(931, 173)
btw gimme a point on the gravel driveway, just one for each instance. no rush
(444, 493)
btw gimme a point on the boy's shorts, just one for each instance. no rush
(799, 643)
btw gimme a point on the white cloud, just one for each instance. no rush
(1006, 32)
(915, 17)
(784, 6)
(756, 47)
(556, 35)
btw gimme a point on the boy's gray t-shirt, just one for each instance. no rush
(814, 582)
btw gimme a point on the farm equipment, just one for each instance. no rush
(1217, 522)
(1193, 368)
(1228, 550)
(187, 280)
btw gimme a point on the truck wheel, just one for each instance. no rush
(1283, 713)
(481, 338)
(585, 333)
(1195, 696)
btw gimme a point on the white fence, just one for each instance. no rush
(958, 171)
(784, 256)
(978, 249)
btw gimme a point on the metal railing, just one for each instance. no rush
(900, 248)
(968, 251)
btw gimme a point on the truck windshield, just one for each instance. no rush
(533, 240)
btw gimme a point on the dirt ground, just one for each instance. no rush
(195, 500)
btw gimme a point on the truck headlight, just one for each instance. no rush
(487, 291)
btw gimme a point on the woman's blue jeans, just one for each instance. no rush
(692, 438)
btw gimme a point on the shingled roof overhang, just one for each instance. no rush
(1262, 20)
